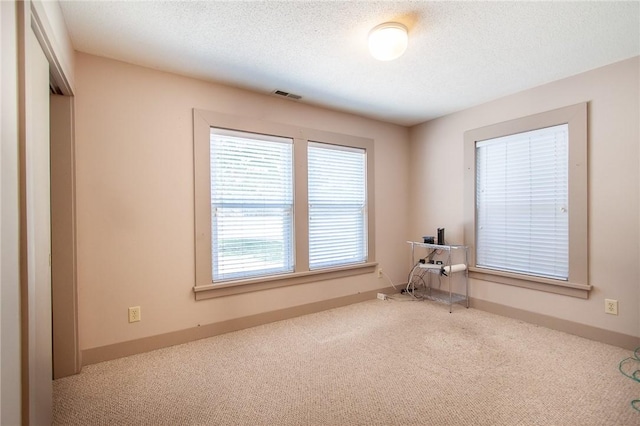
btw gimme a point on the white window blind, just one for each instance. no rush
(337, 205)
(251, 204)
(522, 222)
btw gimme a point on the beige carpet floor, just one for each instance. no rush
(372, 363)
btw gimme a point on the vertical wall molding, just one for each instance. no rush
(64, 294)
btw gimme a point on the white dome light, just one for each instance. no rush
(388, 41)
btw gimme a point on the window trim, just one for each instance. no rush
(576, 117)
(204, 287)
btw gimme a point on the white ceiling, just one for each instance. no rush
(460, 53)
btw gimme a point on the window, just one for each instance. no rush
(278, 205)
(522, 197)
(526, 202)
(337, 205)
(251, 205)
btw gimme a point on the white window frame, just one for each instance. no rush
(576, 117)
(205, 287)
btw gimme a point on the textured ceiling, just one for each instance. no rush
(460, 53)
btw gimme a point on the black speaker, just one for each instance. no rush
(441, 237)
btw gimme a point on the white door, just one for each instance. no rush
(10, 411)
(38, 231)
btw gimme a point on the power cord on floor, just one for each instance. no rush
(635, 375)
(411, 287)
(388, 297)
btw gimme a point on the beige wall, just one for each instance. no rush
(135, 208)
(613, 95)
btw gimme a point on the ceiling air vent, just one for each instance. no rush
(287, 95)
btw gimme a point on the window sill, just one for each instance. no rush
(211, 291)
(534, 283)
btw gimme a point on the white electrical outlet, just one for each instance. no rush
(134, 314)
(382, 296)
(379, 272)
(611, 306)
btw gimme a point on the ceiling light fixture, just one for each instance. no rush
(388, 41)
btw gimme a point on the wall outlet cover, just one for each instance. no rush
(134, 314)
(611, 306)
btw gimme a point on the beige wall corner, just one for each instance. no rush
(613, 96)
(135, 206)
